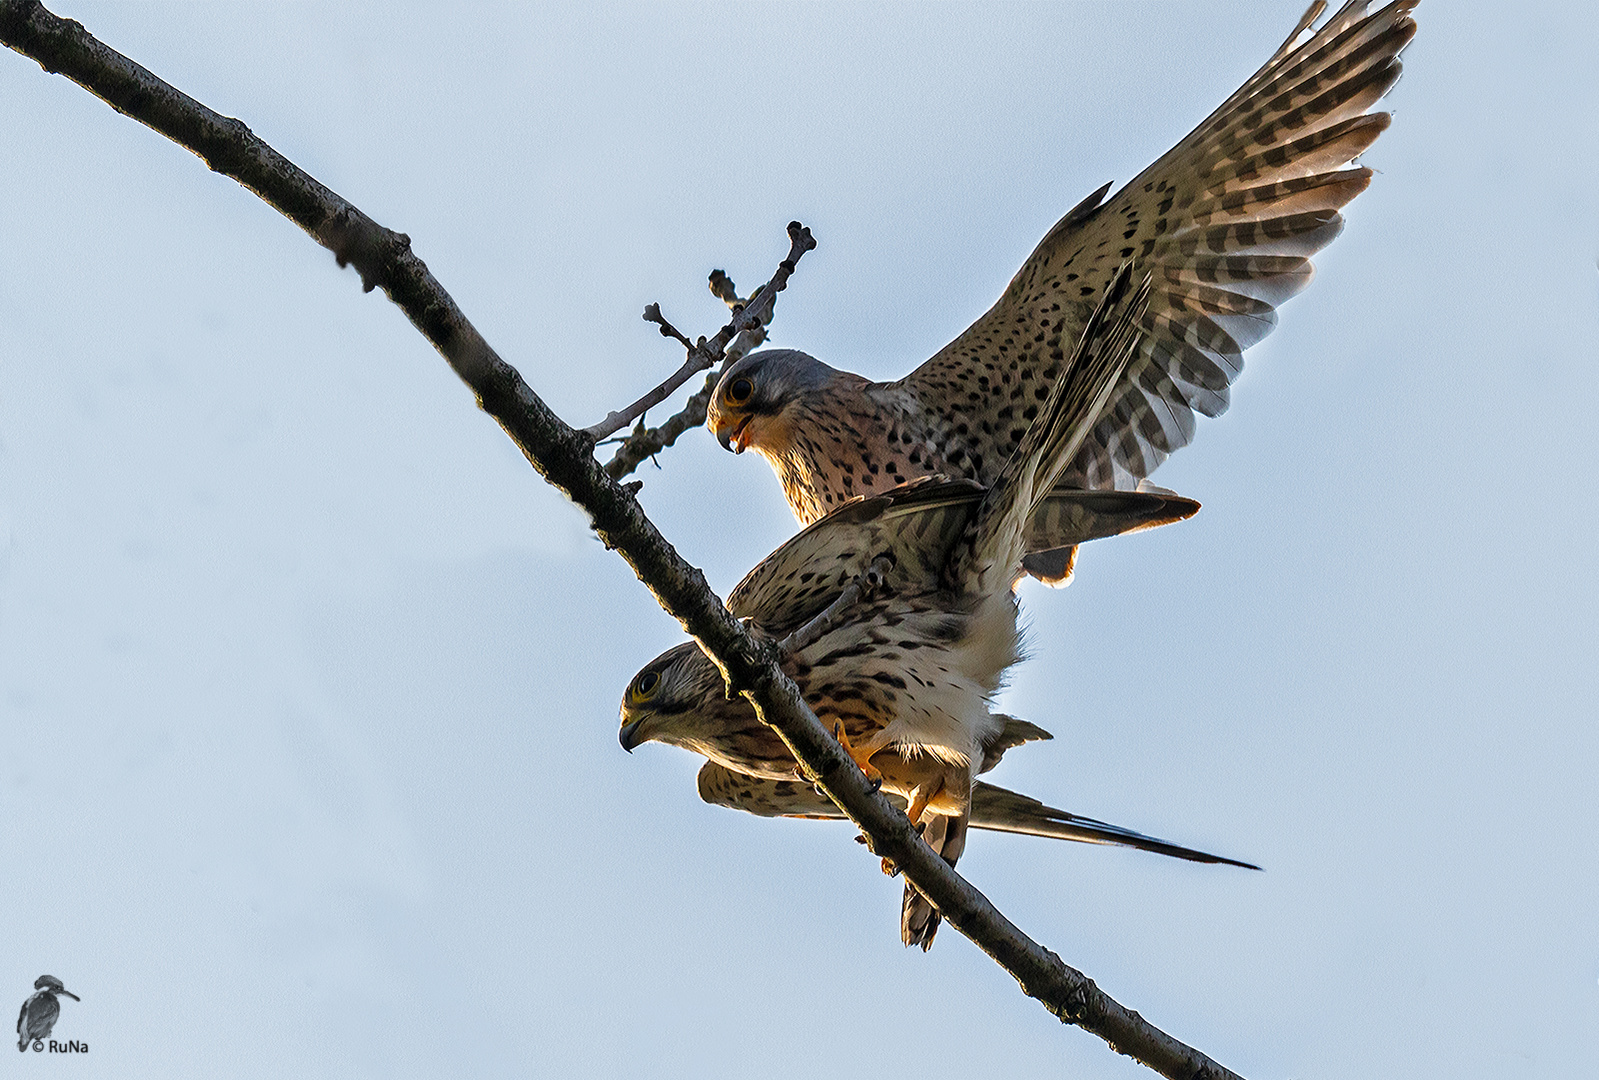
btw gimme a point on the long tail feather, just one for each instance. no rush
(994, 808)
(1006, 811)
(918, 918)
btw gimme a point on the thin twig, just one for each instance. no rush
(705, 354)
(723, 289)
(866, 582)
(564, 457)
(652, 313)
(644, 443)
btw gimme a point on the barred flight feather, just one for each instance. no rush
(1225, 222)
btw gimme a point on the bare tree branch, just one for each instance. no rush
(652, 313)
(564, 457)
(645, 442)
(704, 354)
(723, 289)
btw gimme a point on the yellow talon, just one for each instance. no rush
(919, 800)
(862, 760)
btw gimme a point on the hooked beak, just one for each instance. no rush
(738, 439)
(629, 736)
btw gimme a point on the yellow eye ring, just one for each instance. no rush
(739, 390)
(645, 685)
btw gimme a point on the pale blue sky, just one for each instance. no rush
(308, 684)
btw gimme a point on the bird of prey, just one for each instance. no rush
(1226, 221)
(910, 664)
(39, 1012)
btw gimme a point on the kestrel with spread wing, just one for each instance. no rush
(1226, 222)
(905, 673)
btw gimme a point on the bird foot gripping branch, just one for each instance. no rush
(862, 757)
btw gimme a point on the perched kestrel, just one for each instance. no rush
(1226, 222)
(904, 675)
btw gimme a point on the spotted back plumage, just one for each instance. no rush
(995, 541)
(1226, 221)
(916, 525)
(954, 537)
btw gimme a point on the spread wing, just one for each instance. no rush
(1226, 221)
(918, 523)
